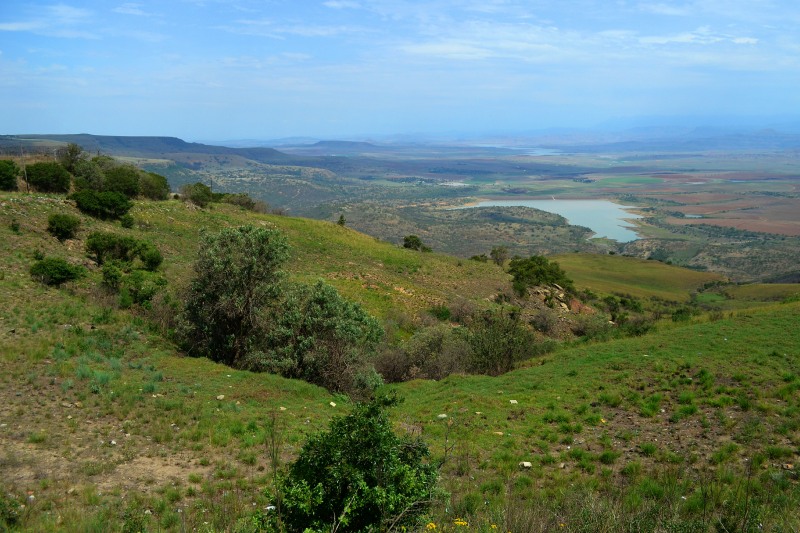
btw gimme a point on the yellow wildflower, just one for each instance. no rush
(431, 526)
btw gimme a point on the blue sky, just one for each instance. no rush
(216, 69)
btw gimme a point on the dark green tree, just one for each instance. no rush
(238, 279)
(342, 221)
(358, 476)
(48, 176)
(537, 270)
(104, 205)
(412, 242)
(153, 186)
(123, 179)
(8, 175)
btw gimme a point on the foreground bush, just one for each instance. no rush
(358, 476)
(55, 271)
(63, 226)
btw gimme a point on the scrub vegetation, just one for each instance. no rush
(659, 399)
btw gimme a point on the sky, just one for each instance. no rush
(265, 69)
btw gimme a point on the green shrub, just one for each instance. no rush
(441, 312)
(197, 193)
(55, 271)
(63, 226)
(359, 475)
(48, 177)
(151, 257)
(126, 221)
(112, 275)
(153, 186)
(537, 270)
(498, 340)
(123, 179)
(104, 246)
(8, 175)
(88, 175)
(142, 286)
(103, 205)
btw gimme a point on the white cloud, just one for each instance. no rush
(341, 4)
(666, 9)
(130, 8)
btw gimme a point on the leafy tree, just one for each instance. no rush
(70, 156)
(499, 255)
(319, 337)
(197, 193)
(63, 226)
(238, 278)
(88, 175)
(342, 221)
(358, 476)
(498, 340)
(103, 205)
(412, 242)
(48, 176)
(106, 246)
(537, 270)
(55, 271)
(8, 175)
(123, 179)
(153, 186)
(244, 201)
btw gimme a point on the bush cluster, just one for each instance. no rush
(242, 312)
(107, 246)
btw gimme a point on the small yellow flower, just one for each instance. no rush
(431, 526)
(561, 524)
(494, 526)
(603, 420)
(460, 522)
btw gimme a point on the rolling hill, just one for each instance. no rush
(105, 425)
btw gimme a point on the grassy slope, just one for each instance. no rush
(630, 275)
(77, 376)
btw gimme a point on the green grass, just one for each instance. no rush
(628, 275)
(623, 428)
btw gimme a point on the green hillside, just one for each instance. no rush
(106, 426)
(631, 275)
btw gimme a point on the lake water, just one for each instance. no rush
(605, 218)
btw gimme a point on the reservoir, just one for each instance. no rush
(604, 218)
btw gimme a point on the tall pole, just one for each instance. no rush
(24, 170)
